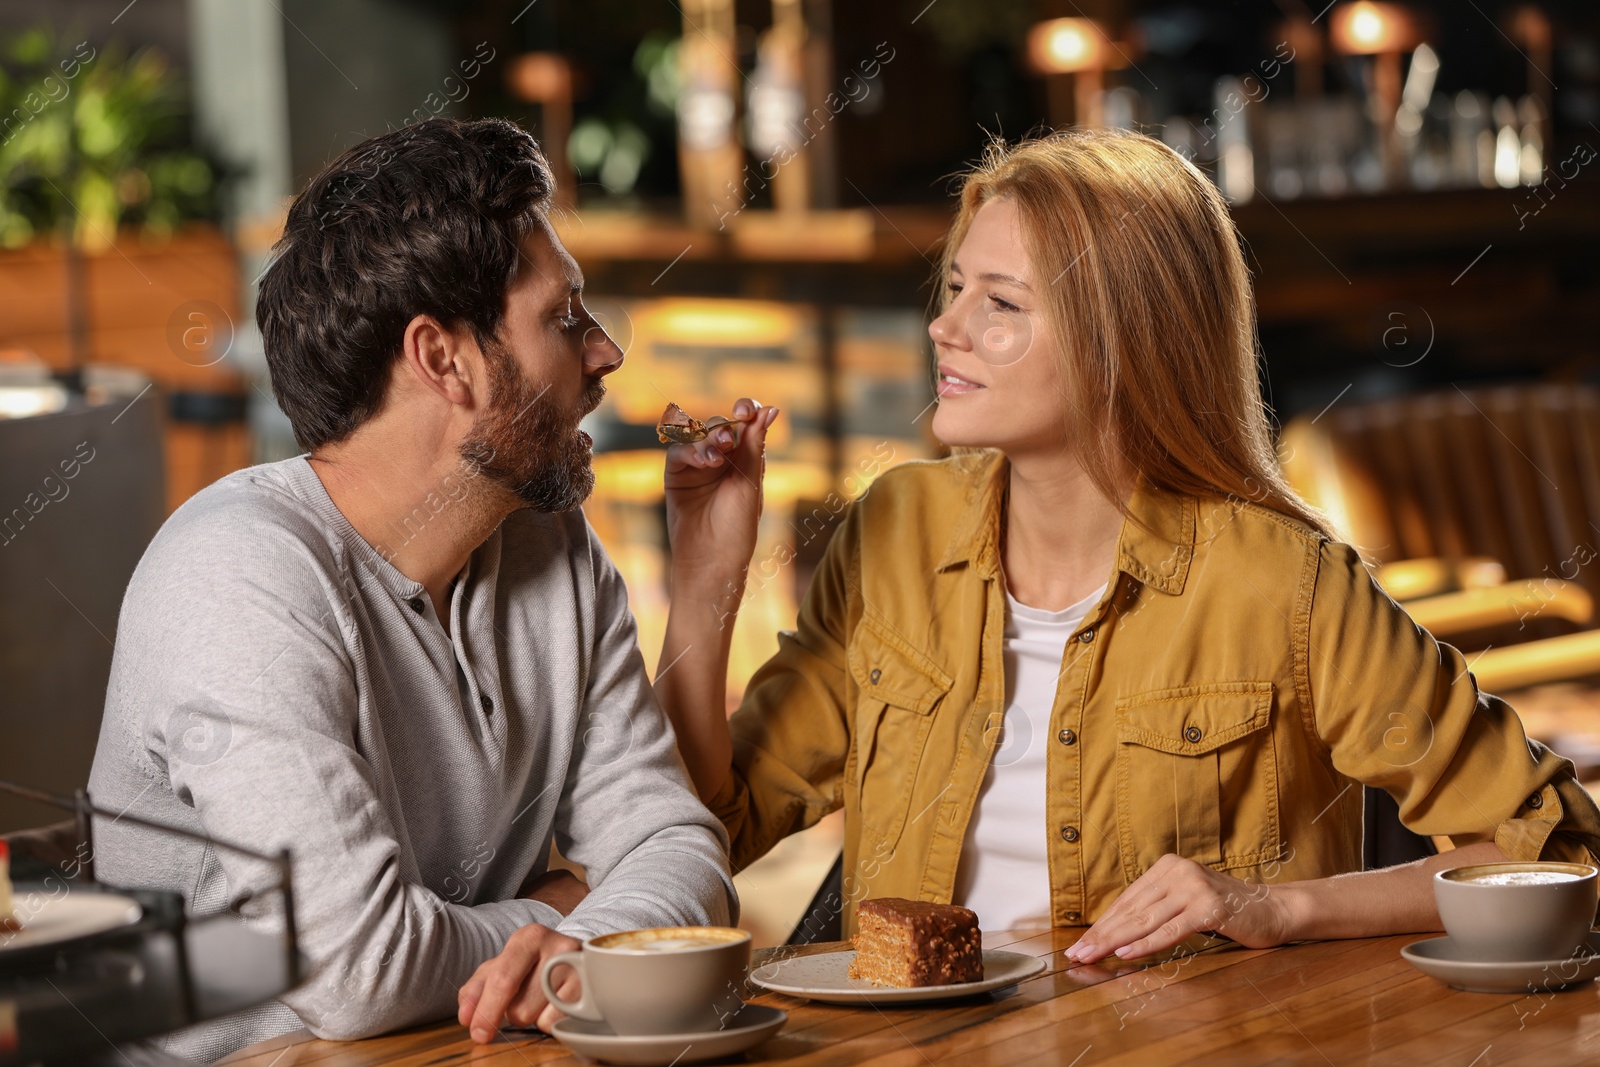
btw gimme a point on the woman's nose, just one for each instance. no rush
(946, 329)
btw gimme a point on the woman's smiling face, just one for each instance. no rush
(1001, 381)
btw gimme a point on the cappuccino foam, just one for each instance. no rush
(672, 944)
(670, 939)
(1522, 878)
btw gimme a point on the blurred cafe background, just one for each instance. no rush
(756, 190)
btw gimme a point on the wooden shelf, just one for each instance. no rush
(139, 297)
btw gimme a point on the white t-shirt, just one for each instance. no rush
(1004, 873)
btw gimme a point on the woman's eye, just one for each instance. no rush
(954, 287)
(1003, 305)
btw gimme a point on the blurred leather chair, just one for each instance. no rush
(1479, 509)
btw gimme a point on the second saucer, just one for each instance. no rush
(753, 1024)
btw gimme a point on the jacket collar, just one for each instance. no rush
(1155, 547)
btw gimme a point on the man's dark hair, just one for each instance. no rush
(428, 219)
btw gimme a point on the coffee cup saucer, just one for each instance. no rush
(1444, 959)
(749, 1026)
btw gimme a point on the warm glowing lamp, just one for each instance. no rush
(1382, 31)
(545, 78)
(1076, 47)
(1369, 29)
(1066, 46)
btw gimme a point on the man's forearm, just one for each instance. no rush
(1395, 900)
(691, 681)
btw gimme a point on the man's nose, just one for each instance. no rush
(601, 355)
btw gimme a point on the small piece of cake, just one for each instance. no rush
(677, 427)
(905, 943)
(8, 920)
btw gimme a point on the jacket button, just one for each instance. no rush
(1073, 916)
(416, 604)
(1192, 734)
(1536, 801)
(1087, 635)
(1069, 834)
(876, 674)
(486, 702)
(1067, 737)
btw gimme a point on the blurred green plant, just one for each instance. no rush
(612, 152)
(93, 140)
(655, 62)
(614, 148)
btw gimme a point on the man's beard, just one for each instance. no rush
(527, 443)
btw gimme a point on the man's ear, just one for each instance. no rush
(444, 361)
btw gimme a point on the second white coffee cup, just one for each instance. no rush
(661, 980)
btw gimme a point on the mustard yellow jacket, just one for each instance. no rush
(1225, 700)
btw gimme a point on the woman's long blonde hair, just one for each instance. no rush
(1149, 304)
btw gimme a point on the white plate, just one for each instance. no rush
(826, 977)
(752, 1025)
(50, 917)
(1442, 958)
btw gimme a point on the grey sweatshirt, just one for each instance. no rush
(277, 683)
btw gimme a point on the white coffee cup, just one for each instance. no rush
(1517, 912)
(661, 980)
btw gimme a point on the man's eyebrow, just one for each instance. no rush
(574, 289)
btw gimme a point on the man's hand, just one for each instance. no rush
(1178, 897)
(506, 988)
(561, 889)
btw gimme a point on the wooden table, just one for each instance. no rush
(1330, 1002)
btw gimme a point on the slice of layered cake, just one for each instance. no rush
(906, 943)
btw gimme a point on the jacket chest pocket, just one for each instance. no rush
(898, 689)
(1197, 775)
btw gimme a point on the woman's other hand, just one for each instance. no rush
(713, 490)
(1177, 898)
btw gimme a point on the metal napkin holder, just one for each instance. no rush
(163, 916)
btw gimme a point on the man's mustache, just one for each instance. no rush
(592, 396)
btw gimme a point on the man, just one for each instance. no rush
(406, 656)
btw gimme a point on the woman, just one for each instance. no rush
(1102, 667)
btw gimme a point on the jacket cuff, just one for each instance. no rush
(1524, 836)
